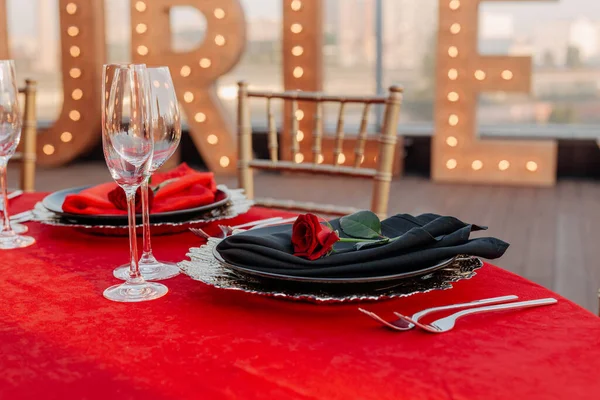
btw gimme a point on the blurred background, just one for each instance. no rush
(563, 37)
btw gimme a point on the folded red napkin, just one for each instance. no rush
(188, 189)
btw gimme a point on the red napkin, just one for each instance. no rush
(190, 189)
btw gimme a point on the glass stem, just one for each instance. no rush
(147, 249)
(6, 228)
(134, 268)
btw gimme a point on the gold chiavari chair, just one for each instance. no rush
(27, 154)
(382, 176)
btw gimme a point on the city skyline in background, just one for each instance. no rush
(563, 38)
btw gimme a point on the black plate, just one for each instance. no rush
(54, 202)
(319, 280)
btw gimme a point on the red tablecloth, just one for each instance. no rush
(59, 338)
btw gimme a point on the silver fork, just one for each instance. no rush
(227, 230)
(447, 323)
(403, 325)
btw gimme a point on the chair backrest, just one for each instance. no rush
(27, 153)
(385, 159)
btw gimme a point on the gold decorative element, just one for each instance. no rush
(388, 140)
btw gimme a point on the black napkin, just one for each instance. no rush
(423, 241)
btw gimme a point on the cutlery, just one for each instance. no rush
(402, 325)
(225, 230)
(24, 216)
(447, 323)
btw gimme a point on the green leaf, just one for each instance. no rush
(367, 245)
(362, 225)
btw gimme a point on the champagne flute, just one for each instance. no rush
(127, 143)
(166, 132)
(10, 136)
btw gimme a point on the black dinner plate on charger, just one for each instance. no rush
(427, 269)
(54, 202)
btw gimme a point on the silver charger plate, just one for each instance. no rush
(238, 204)
(204, 267)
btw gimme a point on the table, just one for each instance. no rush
(59, 338)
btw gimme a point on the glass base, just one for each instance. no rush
(19, 228)
(135, 292)
(15, 242)
(151, 270)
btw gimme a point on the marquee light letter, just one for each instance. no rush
(3, 32)
(195, 72)
(457, 154)
(82, 54)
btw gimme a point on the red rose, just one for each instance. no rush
(118, 198)
(311, 239)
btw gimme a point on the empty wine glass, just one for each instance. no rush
(10, 135)
(127, 143)
(166, 131)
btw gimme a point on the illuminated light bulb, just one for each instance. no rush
(212, 139)
(477, 165)
(73, 31)
(453, 97)
(454, 4)
(452, 141)
(77, 94)
(503, 165)
(75, 73)
(296, 28)
(140, 6)
(362, 159)
(74, 115)
(299, 115)
(200, 117)
(167, 86)
(156, 84)
(224, 161)
(455, 28)
(507, 75)
(300, 136)
(297, 51)
(320, 159)
(185, 71)
(141, 28)
(71, 8)
(531, 166)
(220, 40)
(479, 75)
(453, 120)
(205, 62)
(452, 74)
(48, 149)
(142, 50)
(341, 158)
(66, 137)
(451, 163)
(453, 51)
(298, 158)
(188, 97)
(219, 13)
(296, 5)
(298, 72)
(75, 51)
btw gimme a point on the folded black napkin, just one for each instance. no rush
(424, 241)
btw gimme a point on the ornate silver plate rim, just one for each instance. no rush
(204, 267)
(237, 205)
